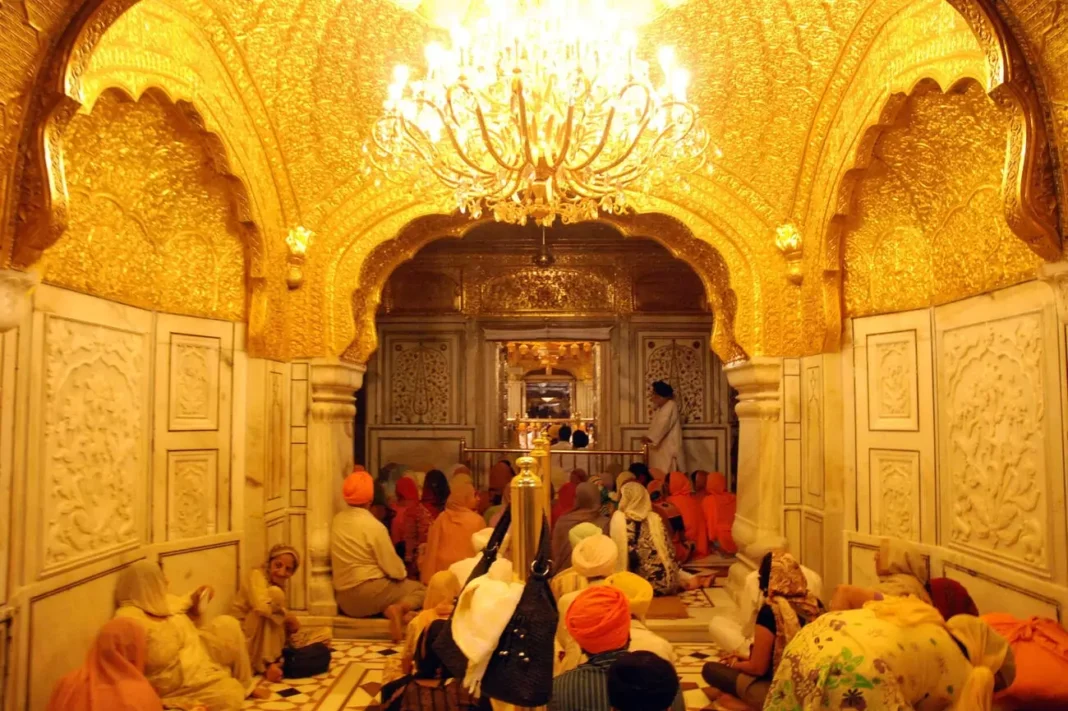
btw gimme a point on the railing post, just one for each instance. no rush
(543, 457)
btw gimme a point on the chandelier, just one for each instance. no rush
(543, 110)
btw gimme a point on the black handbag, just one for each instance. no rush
(521, 669)
(445, 646)
(306, 661)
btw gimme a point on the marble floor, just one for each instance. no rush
(355, 678)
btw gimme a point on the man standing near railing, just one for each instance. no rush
(665, 431)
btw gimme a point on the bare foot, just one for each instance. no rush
(395, 615)
(712, 693)
(730, 703)
(274, 673)
(261, 692)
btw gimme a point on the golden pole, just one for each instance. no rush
(543, 457)
(527, 514)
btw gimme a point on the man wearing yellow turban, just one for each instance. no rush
(369, 576)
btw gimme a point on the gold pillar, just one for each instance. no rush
(543, 457)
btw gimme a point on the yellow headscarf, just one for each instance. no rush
(638, 590)
(986, 651)
(144, 586)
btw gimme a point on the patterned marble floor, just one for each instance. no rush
(355, 677)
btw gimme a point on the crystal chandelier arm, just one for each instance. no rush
(524, 124)
(450, 133)
(646, 118)
(482, 127)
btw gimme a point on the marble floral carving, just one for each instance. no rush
(994, 419)
(895, 373)
(678, 363)
(95, 426)
(420, 383)
(192, 508)
(194, 382)
(897, 494)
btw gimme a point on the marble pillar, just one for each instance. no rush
(758, 523)
(15, 290)
(330, 457)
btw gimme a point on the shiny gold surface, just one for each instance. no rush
(288, 89)
(134, 236)
(925, 234)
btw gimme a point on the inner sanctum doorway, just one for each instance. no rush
(485, 339)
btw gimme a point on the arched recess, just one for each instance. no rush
(43, 203)
(669, 232)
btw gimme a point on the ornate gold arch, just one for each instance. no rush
(669, 232)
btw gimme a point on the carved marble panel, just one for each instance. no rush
(992, 397)
(682, 363)
(893, 402)
(420, 378)
(194, 383)
(277, 440)
(192, 484)
(895, 491)
(812, 430)
(94, 463)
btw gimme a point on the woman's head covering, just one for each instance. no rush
(443, 587)
(144, 586)
(638, 590)
(407, 489)
(717, 483)
(581, 532)
(599, 619)
(435, 488)
(901, 571)
(500, 476)
(284, 549)
(951, 598)
(607, 481)
(587, 497)
(462, 493)
(987, 651)
(457, 470)
(624, 478)
(789, 599)
(481, 539)
(642, 680)
(679, 484)
(112, 678)
(634, 502)
(359, 488)
(578, 476)
(663, 389)
(595, 557)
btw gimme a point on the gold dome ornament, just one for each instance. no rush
(298, 241)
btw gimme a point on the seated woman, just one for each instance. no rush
(440, 598)
(429, 687)
(188, 667)
(643, 542)
(421, 517)
(903, 572)
(260, 606)
(564, 500)
(788, 607)
(406, 498)
(570, 579)
(449, 539)
(719, 507)
(893, 654)
(113, 676)
(681, 496)
(587, 509)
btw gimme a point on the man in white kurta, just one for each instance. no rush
(665, 432)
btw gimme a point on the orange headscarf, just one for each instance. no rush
(407, 497)
(449, 540)
(112, 678)
(359, 487)
(599, 619)
(719, 508)
(681, 496)
(565, 499)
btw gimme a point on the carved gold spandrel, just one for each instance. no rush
(948, 237)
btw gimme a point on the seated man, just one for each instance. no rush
(642, 681)
(369, 576)
(599, 620)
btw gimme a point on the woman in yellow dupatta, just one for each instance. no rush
(188, 667)
(449, 539)
(441, 596)
(260, 606)
(896, 654)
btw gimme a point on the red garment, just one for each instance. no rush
(407, 497)
(692, 516)
(951, 598)
(565, 500)
(719, 508)
(112, 678)
(1040, 651)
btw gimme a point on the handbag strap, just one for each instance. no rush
(497, 537)
(542, 566)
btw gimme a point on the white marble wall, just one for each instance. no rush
(122, 437)
(959, 444)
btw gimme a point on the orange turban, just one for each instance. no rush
(359, 488)
(599, 619)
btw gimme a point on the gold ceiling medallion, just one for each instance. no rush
(788, 241)
(542, 110)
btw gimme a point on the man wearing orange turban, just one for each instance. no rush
(369, 576)
(599, 620)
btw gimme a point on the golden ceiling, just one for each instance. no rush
(281, 94)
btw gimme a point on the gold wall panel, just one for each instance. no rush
(929, 221)
(151, 222)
